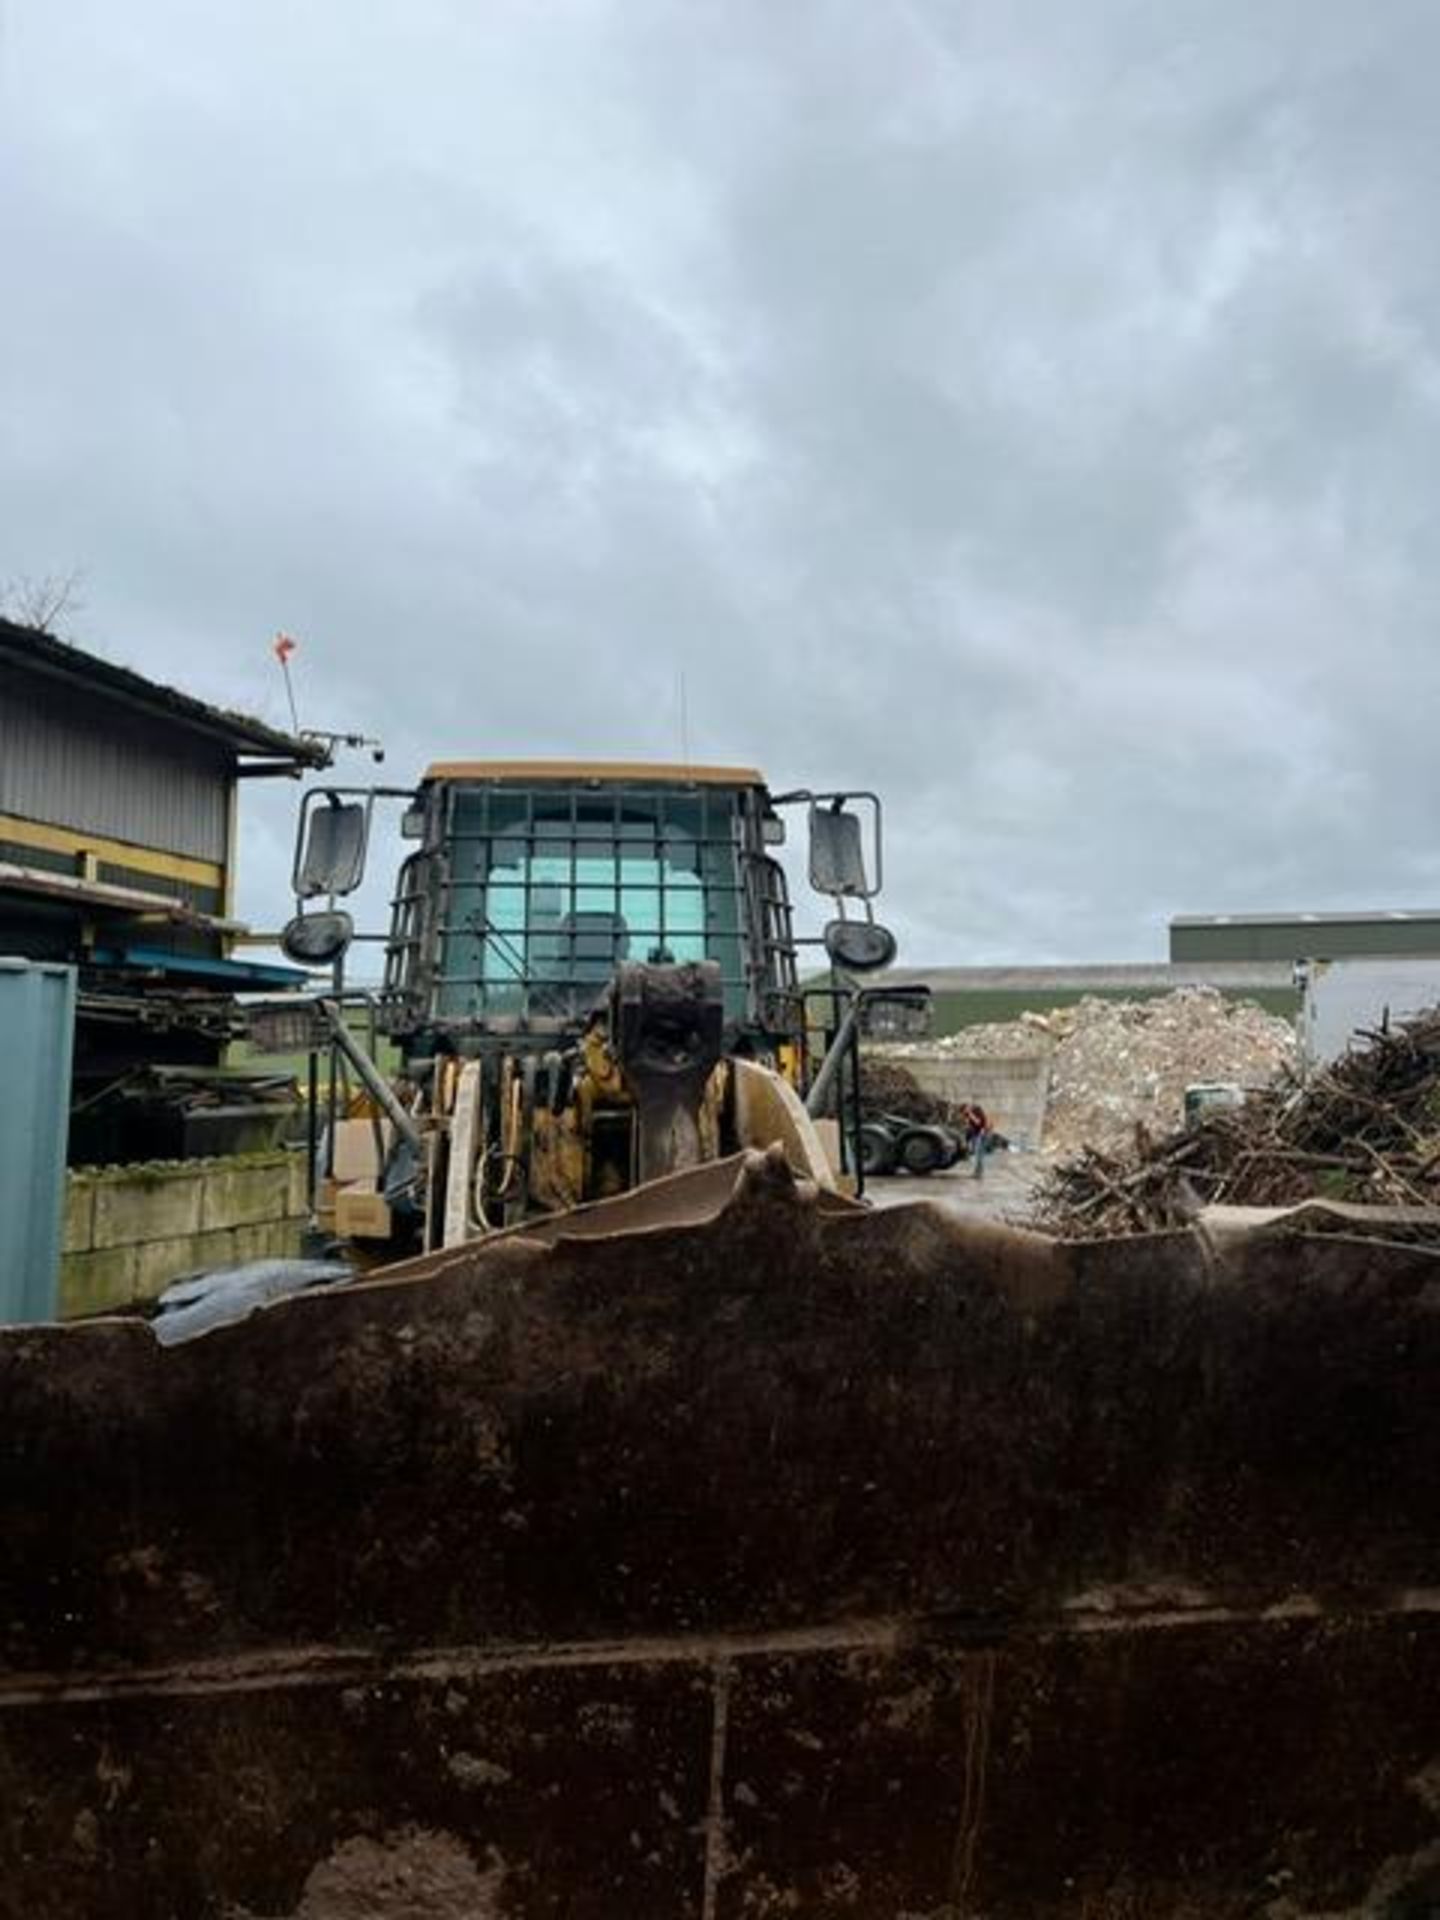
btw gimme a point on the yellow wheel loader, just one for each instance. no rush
(592, 977)
(672, 1537)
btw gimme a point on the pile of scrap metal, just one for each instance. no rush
(149, 1083)
(1364, 1132)
(213, 1016)
(181, 1112)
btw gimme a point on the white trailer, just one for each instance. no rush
(1342, 998)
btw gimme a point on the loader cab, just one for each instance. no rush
(533, 881)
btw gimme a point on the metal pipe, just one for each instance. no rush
(312, 1134)
(857, 1113)
(819, 1095)
(371, 1076)
(332, 1097)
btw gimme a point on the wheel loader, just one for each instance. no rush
(592, 977)
(673, 1536)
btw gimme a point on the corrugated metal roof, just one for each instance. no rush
(42, 653)
(1375, 917)
(65, 760)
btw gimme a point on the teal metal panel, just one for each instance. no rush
(37, 1029)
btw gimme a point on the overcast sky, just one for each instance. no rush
(1026, 409)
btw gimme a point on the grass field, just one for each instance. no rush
(242, 1054)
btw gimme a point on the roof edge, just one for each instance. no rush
(41, 652)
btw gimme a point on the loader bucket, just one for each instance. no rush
(789, 1560)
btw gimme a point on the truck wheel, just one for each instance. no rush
(921, 1150)
(877, 1149)
(954, 1147)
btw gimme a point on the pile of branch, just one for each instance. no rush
(1366, 1130)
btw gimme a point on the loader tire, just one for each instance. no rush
(877, 1149)
(921, 1150)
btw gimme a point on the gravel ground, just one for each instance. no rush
(1004, 1192)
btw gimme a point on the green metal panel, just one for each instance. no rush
(37, 1027)
(1303, 936)
(980, 1006)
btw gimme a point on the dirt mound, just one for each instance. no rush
(887, 1087)
(1122, 1063)
(1031, 1034)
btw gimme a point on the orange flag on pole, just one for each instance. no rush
(283, 648)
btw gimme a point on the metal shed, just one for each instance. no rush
(1304, 936)
(110, 780)
(117, 849)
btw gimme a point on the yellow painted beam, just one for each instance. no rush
(119, 853)
(602, 772)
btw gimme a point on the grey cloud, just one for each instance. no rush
(1025, 410)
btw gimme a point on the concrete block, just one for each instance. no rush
(296, 1184)
(92, 1281)
(241, 1194)
(1013, 1089)
(268, 1240)
(146, 1203)
(161, 1261)
(132, 1231)
(79, 1213)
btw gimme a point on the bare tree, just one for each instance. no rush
(42, 603)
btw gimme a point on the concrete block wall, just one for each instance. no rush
(1012, 1089)
(130, 1231)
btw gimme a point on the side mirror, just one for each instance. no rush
(330, 856)
(896, 1013)
(837, 854)
(860, 946)
(317, 939)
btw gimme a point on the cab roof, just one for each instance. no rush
(597, 772)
